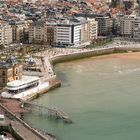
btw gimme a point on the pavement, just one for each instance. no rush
(20, 127)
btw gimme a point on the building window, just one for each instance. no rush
(3, 80)
(16, 71)
(3, 73)
(16, 78)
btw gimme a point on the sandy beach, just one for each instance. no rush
(129, 55)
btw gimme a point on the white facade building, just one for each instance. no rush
(68, 33)
(5, 33)
(77, 39)
(127, 23)
(72, 32)
(75, 32)
(63, 34)
(93, 28)
(136, 28)
(130, 26)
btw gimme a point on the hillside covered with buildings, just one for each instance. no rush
(67, 22)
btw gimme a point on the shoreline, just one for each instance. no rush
(100, 53)
(53, 60)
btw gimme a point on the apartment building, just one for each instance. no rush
(51, 33)
(93, 28)
(73, 32)
(130, 26)
(105, 24)
(136, 28)
(68, 33)
(38, 32)
(17, 31)
(89, 30)
(127, 25)
(5, 33)
(65, 32)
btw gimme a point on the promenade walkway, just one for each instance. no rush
(13, 109)
(54, 52)
(25, 132)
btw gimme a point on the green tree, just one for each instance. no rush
(2, 46)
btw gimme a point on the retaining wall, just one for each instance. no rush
(25, 124)
(91, 53)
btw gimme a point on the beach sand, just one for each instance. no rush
(129, 55)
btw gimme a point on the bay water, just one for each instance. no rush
(100, 94)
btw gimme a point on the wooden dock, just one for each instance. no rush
(50, 112)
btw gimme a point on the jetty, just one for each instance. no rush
(54, 112)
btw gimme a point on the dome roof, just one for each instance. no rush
(31, 60)
(11, 60)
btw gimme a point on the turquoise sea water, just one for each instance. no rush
(102, 97)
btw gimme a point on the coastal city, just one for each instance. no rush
(35, 35)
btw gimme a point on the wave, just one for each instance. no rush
(128, 71)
